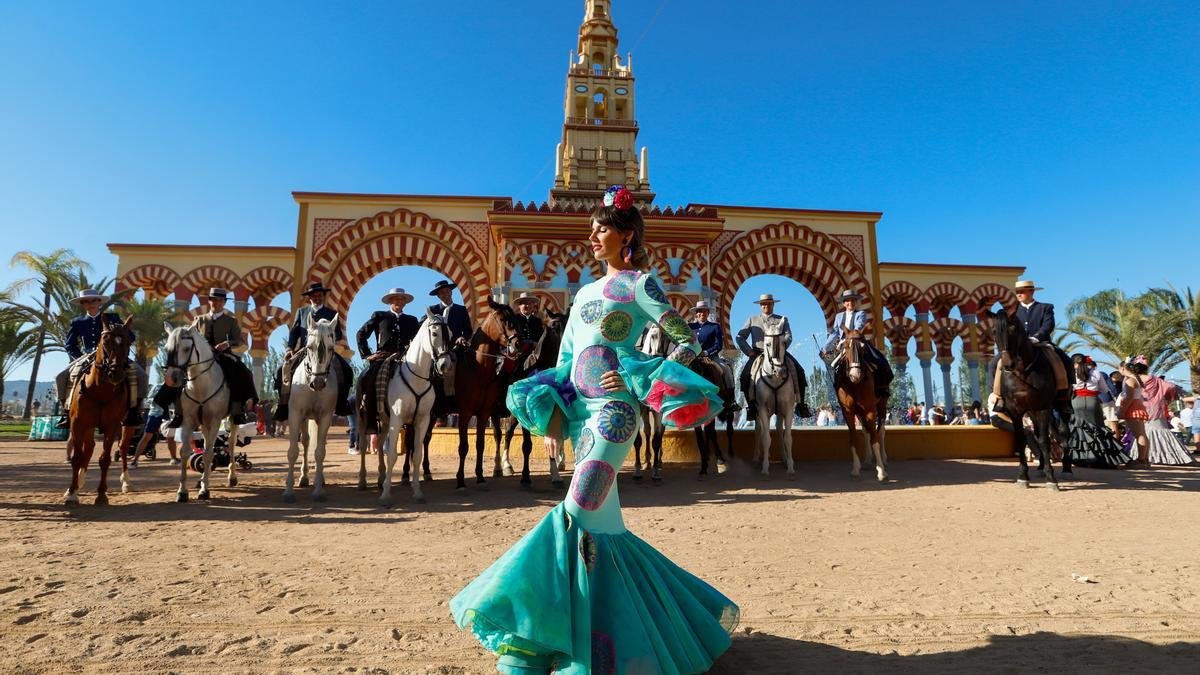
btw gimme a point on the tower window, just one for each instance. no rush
(600, 105)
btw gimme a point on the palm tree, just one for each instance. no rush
(1117, 326)
(1182, 320)
(48, 271)
(149, 315)
(18, 342)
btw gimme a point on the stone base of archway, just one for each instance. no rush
(808, 444)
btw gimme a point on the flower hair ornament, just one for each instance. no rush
(618, 196)
(1140, 358)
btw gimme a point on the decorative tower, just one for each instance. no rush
(599, 126)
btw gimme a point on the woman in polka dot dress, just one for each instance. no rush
(579, 593)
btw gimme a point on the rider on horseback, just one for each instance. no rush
(315, 311)
(530, 332)
(712, 341)
(393, 330)
(756, 328)
(82, 338)
(224, 335)
(1038, 320)
(855, 320)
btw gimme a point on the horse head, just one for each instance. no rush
(852, 356)
(112, 352)
(556, 323)
(501, 328)
(318, 351)
(1010, 338)
(437, 334)
(773, 350)
(654, 341)
(185, 347)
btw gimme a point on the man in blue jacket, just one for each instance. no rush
(712, 341)
(457, 320)
(314, 311)
(851, 318)
(83, 336)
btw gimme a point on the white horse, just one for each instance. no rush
(203, 403)
(772, 384)
(410, 397)
(311, 403)
(655, 343)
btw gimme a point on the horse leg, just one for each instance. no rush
(526, 450)
(105, 462)
(783, 424)
(501, 467)
(702, 446)
(185, 455)
(425, 457)
(480, 443)
(405, 478)
(231, 479)
(318, 493)
(418, 454)
(383, 476)
(728, 443)
(293, 453)
(210, 443)
(460, 477)
(874, 428)
(390, 449)
(555, 451)
(508, 435)
(852, 425)
(127, 435)
(305, 439)
(1018, 446)
(762, 425)
(656, 441)
(362, 464)
(642, 432)
(74, 451)
(1041, 426)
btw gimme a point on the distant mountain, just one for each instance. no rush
(18, 387)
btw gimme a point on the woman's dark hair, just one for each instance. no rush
(1138, 368)
(627, 220)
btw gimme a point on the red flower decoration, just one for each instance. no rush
(623, 199)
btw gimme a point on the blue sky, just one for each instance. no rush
(1064, 136)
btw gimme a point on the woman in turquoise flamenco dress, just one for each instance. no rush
(579, 593)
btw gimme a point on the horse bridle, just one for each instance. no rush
(172, 362)
(321, 352)
(444, 352)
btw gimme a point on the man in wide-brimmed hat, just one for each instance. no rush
(83, 336)
(750, 341)
(316, 310)
(458, 320)
(1038, 321)
(712, 341)
(530, 330)
(853, 319)
(393, 330)
(224, 335)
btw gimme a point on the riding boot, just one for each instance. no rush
(65, 421)
(133, 417)
(237, 412)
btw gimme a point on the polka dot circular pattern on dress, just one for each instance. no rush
(673, 324)
(587, 550)
(591, 310)
(617, 421)
(587, 441)
(616, 325)
(591, 365)
(655, 290)
(591, 485)
(620, 288)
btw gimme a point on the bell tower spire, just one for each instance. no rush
(599, 126)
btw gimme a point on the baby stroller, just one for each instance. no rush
(221, 453)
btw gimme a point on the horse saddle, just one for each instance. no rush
(1050, 353)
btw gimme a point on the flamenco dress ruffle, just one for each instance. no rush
(579, 593)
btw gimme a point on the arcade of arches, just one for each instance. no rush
(495, 246)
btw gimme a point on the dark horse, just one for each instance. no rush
(547, 357)
(480, 383)
(707, 434)
(1027, 386)
(99, 401)
(861, 401)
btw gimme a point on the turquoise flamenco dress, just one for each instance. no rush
(579, 593)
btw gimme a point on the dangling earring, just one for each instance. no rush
(628, 254)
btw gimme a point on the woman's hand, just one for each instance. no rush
(612, 381)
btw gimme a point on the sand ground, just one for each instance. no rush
(949, 567)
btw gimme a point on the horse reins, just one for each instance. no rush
(187, 375)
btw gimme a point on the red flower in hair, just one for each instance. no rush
(623, 199)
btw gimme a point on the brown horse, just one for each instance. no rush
(861, 401)
(706, 436)
(99, 401)
(547, 357)
(480, 383)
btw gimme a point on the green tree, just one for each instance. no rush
(47, 271)
(1182, 326)
(149, 316)
(18, 343)
(1118, 326)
